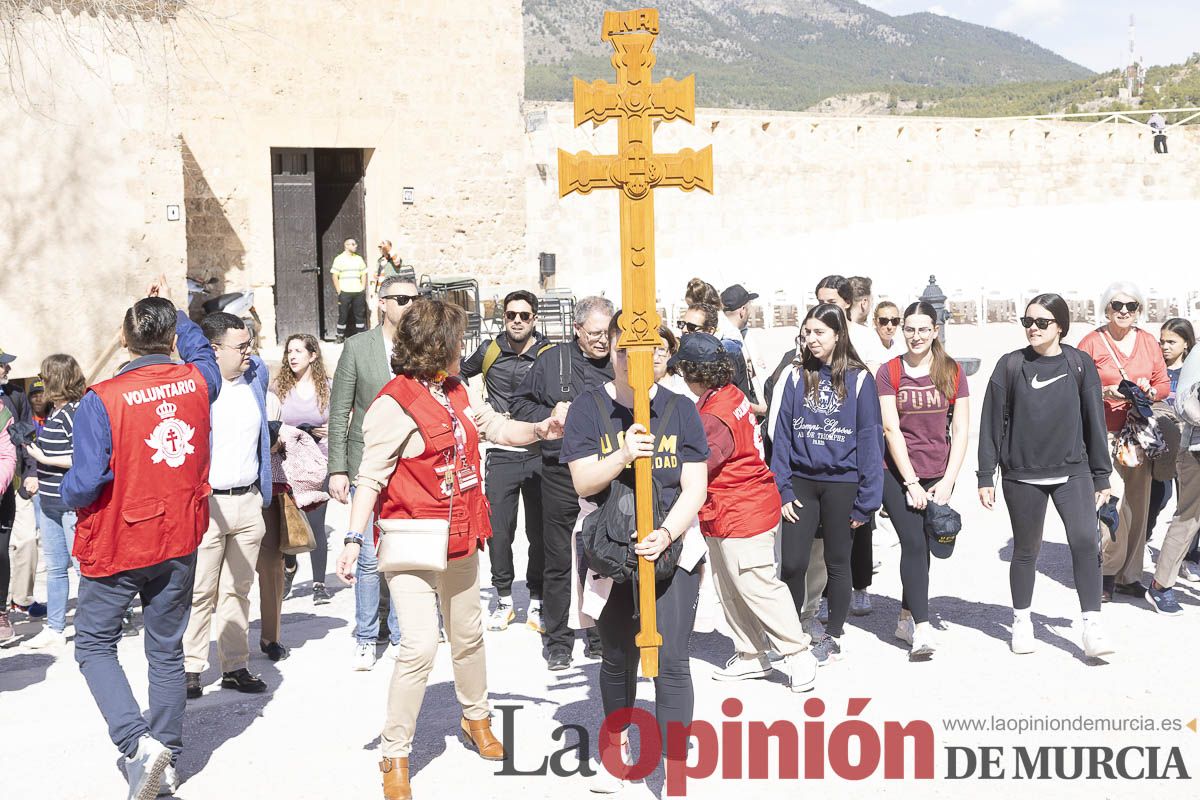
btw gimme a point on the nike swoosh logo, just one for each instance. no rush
(1040, 384)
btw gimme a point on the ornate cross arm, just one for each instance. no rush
(669, 99)
(634, 171)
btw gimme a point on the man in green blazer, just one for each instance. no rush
(363, 369)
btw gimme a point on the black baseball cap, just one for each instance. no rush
(6, 358)
(1139, 399)
(736, 296)
(942, 525)
(698, 348)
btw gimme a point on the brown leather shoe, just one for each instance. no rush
(477, 734)
(395, 779)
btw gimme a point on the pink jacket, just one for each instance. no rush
(301, 465)
(8, 456)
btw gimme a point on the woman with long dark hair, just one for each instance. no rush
(65, 387)
(303, 387)
(1176, 338)
(919, 393)
(827, 456)
(1043, 425)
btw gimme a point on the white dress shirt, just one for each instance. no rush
(236, 426)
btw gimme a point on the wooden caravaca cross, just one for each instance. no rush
(634, 101)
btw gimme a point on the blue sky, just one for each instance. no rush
(1094, 33)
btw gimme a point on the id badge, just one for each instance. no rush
(468, 478)
(446, 473)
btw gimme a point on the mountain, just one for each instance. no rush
(784, 54)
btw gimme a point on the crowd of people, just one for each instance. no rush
(177, 482)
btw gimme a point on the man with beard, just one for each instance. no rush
(512, 471)
(558, 376)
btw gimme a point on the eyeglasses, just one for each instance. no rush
(401, 299)
(689, 327)
(596, 336)
(1118, 306)
(242, 348)
(909, 331)
(662, 352)
(524, 315)
(1041, 322)
(893, 321)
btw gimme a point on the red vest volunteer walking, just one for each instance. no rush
(742, 499)
(160, 454)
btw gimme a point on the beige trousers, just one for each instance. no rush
(1186, 521)
(1124, 558)
(758, 605)
(270, 576)
(224, 575)
(23, 553)
(414, 595)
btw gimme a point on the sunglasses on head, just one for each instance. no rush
(1041, 322)
(524, 315)
(688, 327)
(1131, 307)
(888, 320)
(401, 299)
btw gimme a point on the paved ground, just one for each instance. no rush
(315, 735)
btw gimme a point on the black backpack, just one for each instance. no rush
(609, 532)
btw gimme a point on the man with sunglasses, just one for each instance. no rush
(362, 370)
(558, 376)
(512, 472)
(240, 477)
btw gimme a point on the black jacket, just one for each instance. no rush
(507, 372)
(542, 388)
(1055, 424)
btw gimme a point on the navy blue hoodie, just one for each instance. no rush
(826, 439)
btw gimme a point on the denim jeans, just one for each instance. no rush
(366, 597)
(58, 538)
(166, 592)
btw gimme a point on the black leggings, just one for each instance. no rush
(862, 556)
(8, 513)
(827, 505)
(1075, 501)
(674, 696)
(914, 547)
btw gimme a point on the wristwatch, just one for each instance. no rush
(353, 537)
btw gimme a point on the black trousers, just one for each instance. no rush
(1160, 143)
(827, 505)
(352, 313)
(8, 513)
(511, 476)
(560, 509)
(674, 696)
(862, 555)
(1076, 506)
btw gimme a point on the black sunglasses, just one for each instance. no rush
(1131, 307)
(689, 327)
(888, 320)
(524, 315)
(1041, 322)
(401, 299)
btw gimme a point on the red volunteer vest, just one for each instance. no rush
(156, 507)
(742, 499)
(415, 489)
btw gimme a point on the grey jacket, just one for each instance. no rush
(362, 370)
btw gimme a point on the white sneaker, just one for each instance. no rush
(1022, 635)
(904, 629)
(170, 782)
(923, 643)
(1190, 571)
(740, 668)
(503, 614)
(1095, 643)
(801, 669)
(47, 638)
(604, 781)
(533, 618)
(364, 657)
(860, 603)
(145, 770)
(823, 611)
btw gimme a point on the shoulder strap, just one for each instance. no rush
(564, 368)
(5, 417)
(606, 419)
(1113, 352)
(1012, 371)
(954, 387)
(1075, 361)
(668, 411)
(489, 356)
(895, 373)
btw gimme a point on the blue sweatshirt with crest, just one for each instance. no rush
(824, 438)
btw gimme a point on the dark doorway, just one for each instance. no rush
(319, 202)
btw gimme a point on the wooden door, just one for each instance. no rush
(341, 215)
(297, 267)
